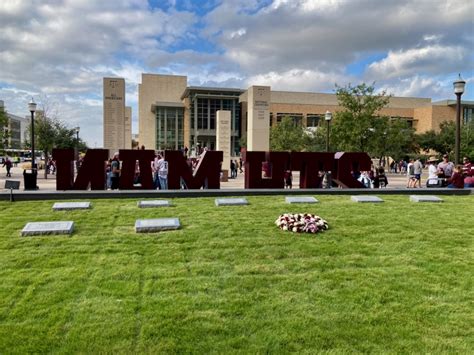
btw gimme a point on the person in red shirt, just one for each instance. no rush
(456, 180)
(468, 171)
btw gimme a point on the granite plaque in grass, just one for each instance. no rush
(156, 225)
(62, 206)
(46, 228)
(154, 203)
(366, 199)
(300, 199)
(231, 202)
(424, 198)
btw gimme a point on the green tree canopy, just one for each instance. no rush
(287, 136)
(360, 127)
(3, 128)
(443, 141)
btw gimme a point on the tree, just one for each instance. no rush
(52, 133)
(3, 128)
(360, 127)
(443, 141)
(286, 136)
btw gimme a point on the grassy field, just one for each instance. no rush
(394, 277)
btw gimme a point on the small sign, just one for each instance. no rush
(12, 184)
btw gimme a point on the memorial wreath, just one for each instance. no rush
(301, 223)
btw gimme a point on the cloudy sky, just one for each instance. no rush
(58, 51)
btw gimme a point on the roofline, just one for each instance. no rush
(207, 88)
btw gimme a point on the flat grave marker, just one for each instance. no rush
(366, 199)
(63, 206)
(424, 198)
(153, 203)
(300, 199)
(156, 225)
(46, 228)
(231, 202)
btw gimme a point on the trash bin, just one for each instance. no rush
(30, 176)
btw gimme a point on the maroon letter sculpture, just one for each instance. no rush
(278, 162)
(310, 164)
(64, 168)
(129, 159)
(207, 172)
(347, 163)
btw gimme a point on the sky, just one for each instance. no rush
(58, 51)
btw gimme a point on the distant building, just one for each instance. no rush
(117, 118)
(16, 129)
(173, 115)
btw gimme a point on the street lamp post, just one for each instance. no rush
(77, 129)
(328, 118)
(458, 90)
(32, 108)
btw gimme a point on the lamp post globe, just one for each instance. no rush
(32, 109)
(458, 87)
(327, 118)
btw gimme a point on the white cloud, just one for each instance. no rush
(299, 80)
(427, 59)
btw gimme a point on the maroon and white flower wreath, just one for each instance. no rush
(301, 223)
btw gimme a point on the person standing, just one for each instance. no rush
(115, 172)
(410, 173)
(154, 169)
(418, 170)
(8, 165)
(163, 172)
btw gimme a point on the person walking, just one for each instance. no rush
(418, 171)
(7, 164)
(410, 173)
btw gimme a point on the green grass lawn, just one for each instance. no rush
(394, 277)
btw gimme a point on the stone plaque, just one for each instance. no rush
(373, 199)
(231, 201)
(61, 206)
(154, 203)
(45, 228)
(300, 199)
(156, 225)
(422, 198)
(223, 135)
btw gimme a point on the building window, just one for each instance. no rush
(314, 120)
(468, 115)
(169, 128)
(296, 117)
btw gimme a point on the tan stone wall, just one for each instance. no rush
(114, 114)
(153, 88)
(443, 113)
(258, 118)
(187, 123)
(128, 127)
